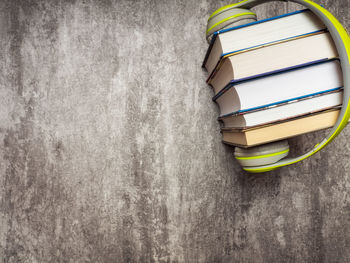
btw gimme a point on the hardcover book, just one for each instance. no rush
(259, 33)
(278, 131)
(283, 111)
(283, 85)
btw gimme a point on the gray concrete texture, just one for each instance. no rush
(110, 150)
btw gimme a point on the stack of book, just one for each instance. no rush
(275, 78)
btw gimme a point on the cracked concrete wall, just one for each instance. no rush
(110, 150)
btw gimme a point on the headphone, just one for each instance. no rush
(271, 156)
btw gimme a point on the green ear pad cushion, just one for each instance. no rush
(226, 18)
(262, 155)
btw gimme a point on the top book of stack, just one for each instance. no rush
(261, 33)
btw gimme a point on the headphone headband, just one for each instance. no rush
(342, 43)
(246, 4)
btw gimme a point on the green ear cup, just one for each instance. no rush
(226, 17)
(262, 155)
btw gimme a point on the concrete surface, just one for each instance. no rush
(110, 150)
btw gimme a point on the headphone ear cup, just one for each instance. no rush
(226, 18)
(262, 155)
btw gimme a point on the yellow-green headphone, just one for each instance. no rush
(271, 156)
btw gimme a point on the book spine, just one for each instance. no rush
(209, 49)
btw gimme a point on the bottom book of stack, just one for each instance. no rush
(261, 134)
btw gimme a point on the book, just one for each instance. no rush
(281, 86)
(284, 111)
(283, 55)
(262, 32)
(263, 134)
